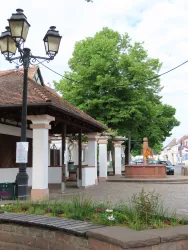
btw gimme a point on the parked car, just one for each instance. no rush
(139, 162)
(169, 166)
(132, 163)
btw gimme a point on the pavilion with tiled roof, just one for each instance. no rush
(48, 115)
(42, 98)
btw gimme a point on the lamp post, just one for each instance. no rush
(10, 41)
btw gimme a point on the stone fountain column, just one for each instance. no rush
(145, 146)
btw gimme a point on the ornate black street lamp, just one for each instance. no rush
(10, 41)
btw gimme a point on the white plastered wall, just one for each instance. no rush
(9, 174)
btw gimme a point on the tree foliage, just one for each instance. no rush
(110, 82)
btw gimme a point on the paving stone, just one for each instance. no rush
(174, 196)
(124, 237)
(29, 240)
(167, 246)
(4, 236)
(182, 245)
(16, 238)
(170, 234)
(42, 243)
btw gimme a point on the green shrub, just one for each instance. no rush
(146, 206)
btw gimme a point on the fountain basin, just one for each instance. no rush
(145, 171)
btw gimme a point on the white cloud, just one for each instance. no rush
(161, 24)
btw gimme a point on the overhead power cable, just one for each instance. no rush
(58, 73)
(149, 79)
(178, 66)
(166, 72)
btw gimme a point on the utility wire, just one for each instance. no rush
(149, 79)
(58, 73)
(167, 71)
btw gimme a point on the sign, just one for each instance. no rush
(22, 152)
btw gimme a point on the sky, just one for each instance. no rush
(160, 24)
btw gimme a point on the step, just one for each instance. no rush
(172, 181)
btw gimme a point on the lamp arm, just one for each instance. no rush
(36, 60)
(42, 58)
(33, 60)
(20, 58)
(13, 58)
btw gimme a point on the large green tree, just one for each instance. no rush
(110, 81)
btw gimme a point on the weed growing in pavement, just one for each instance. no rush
(144, 211)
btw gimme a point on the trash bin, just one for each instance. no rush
(7, 191)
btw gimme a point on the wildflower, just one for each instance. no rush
(111, 217)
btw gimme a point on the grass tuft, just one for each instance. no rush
(145, 210)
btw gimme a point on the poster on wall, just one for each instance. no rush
(22, 152)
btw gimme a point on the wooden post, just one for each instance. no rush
(63, 141)
(80, 155)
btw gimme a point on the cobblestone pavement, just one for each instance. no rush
(174, 196)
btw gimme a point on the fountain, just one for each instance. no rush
(145, 170)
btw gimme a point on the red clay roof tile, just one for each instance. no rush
(11, 85)
(31, 71)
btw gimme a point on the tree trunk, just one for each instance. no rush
(129, 149)
(126, 153)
